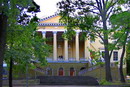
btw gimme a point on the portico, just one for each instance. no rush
(64, 49)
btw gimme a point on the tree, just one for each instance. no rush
(3, 25)
(11, 10)
(128, 59)
(121, 24)
(23, 44)
(4, 15)
(78, 14)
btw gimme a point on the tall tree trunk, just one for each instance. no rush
(10, 72)
(3, 24)
(107, 64)
(122, 79)
(107, 57)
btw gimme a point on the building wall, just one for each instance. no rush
(66, 67)
(95, 46)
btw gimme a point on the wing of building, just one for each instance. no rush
(69, 56)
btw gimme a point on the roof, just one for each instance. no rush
(50, 23)
(48, 17)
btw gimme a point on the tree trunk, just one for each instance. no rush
(107, 57)
(122, 79)
(107, 65)
(127, 66)
(3, 24)
(10, 72)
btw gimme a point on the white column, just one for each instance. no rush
(86, 49)
(77, 46)
(66, 49)
(55, 45)
(44, 34)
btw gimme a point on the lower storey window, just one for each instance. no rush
(115, 55)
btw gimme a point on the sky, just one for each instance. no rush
(47, 7)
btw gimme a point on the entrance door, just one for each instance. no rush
(61, 72)
(72, 71)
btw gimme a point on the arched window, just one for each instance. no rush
(72, 71)
(49, 71)
(61, 71)
(82, 68)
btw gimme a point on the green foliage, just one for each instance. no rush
(91, 16)
(26, 46)
(104, 82)
(23, 45)
(122, 18)
(69, 34)
(95, 55)
(124, 1)
(121, 28)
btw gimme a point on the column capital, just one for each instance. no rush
(54, 32)
(77, 32)
(43, 32)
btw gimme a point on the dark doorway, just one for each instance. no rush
(61, 71)
(72, 71)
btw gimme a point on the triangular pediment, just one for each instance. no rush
(51, 19)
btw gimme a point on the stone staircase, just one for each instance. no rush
(67, 80)
(39, 69)
(82, 72)
(22, 82)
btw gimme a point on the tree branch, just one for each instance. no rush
(99, 34)
(109, 12)
(94, 12)
(104, 5)
(116, 44)
(111, 4)
(99, 8)
(93, 6)
(100, 4)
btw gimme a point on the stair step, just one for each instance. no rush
(68, 80)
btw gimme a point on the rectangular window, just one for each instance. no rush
(115, 55)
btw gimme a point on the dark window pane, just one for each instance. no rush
(115, 55)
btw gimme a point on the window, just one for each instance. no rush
(115, 55)
(61, 72)
(72, 71)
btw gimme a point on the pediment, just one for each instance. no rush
(51, 19)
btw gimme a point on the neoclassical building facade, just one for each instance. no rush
(69, 56)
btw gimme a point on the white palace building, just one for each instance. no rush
(69, 56)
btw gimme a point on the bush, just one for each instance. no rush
(104, 82)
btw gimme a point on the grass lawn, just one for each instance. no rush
(99, 73)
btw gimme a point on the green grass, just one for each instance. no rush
(99, 73)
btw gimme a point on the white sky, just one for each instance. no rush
(47, 7)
